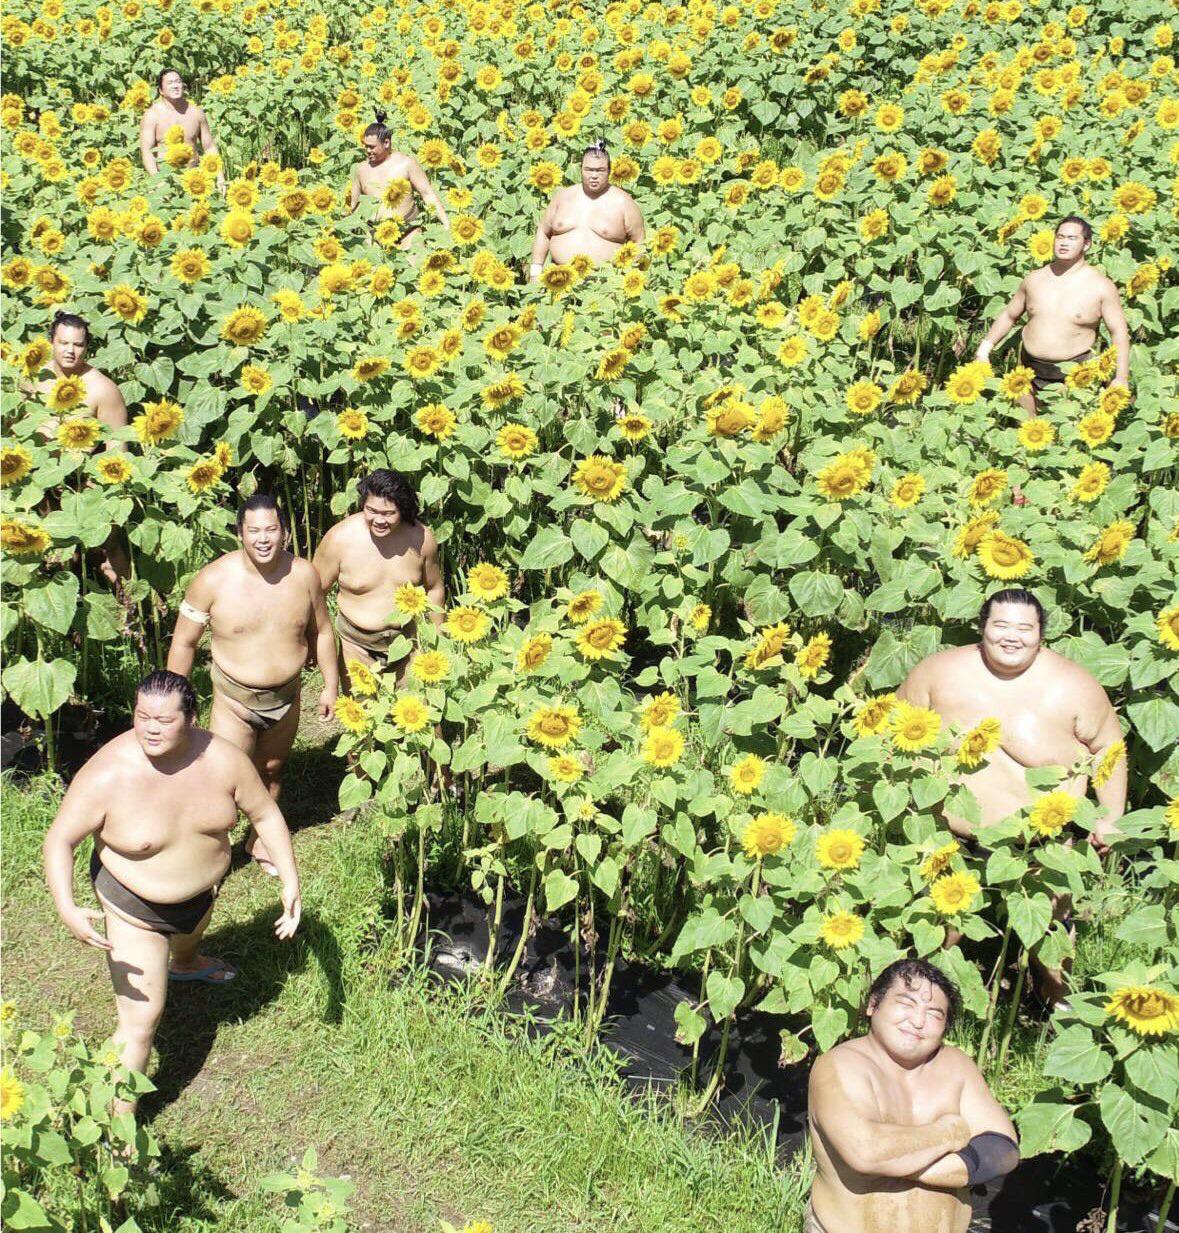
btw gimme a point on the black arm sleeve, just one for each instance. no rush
(988, 1156)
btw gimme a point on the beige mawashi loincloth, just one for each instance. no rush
(266, 705)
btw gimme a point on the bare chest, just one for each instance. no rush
(365, 569)
(153, 814)
(1037, 725)
(165, 120)
(601, 217)
(916, 1103)
(251, 609)
(1076, 303)
(373, 179)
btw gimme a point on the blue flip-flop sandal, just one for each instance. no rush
(207, 975)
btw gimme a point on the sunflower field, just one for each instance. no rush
(700, 510)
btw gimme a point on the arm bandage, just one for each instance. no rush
(535, 268)
(988, 1156)
(193, 614)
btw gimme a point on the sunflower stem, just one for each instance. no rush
(1017, 994)
(1115, 1194)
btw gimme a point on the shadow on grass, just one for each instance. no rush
(311, 786)
(184, 1184)
(196, 1011)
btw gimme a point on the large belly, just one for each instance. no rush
(1000, 786)
(406, 210)
(1056, 338)
(890, 1206)
(582, 240)
(184, 867)
(264, 658)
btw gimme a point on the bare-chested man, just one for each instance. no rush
(370, 554)
(169, 109)
(264, 607)
(1065, 302)
(593, 218)
(1051, 712)
(382, 166)
(160, 801)
(902, 1124)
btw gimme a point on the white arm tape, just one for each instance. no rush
(536, 267)
(193, 614)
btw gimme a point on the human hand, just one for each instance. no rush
(77, 921)
(292, 913)
(955, 1129)
(327, 702)
(1101, 836)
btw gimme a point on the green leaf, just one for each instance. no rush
(1077, 1057)
(589, 538)
(559, 889)
(1030, 916)
(548, 548)
(690, 1025)
(1155, 721)
(758, 913)
(1048, 1124)
(53, 602)
(1154, 1070)
(817, 594)
(724, 992)
(354, 792)
(22, 1211)
(37, 687)
(829, 1024)
(1135, 1126)
(104, 617)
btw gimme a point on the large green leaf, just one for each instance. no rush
(38, 687)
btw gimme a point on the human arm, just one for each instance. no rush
(915, 688)
(984, 1115)
(147, 137)
(432, 578)
(256, 803)
(325, 649)
(540, 245)
(1119, 332)
(425, 190)
(1003, 323)
(844, 1111)
(636, 231)
(198, 601)
(1099, 736)
(326, 562)
(110, 409)
(81, 814)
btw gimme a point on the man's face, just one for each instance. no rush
(382, 517)
(595, 173)
(262, 535)
(910, 1020)
(160, 724)
(172, 87)
(1011, 637)
(69, 346)
(375, 150)
(1070, 242)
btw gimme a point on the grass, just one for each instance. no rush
(436, 1105)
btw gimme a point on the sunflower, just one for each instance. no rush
(189, 265)
(1145, 1009)
(159, 421)
(1096, 428)
(22, 539)
(362, 678)
(907, 490)
(534, 652)
(487, 582)
(766, 834)
(810, 658)
(12, 1094)
(600, 639)
(1111, 543)
(986, 487)
(662, 747)
(430, 667)
(1052, 812)
(352, 424)
(203, 475)
(954, 893)
(839, 849)
(842, 929)
(863, 398)
(938, 861)
(1167, 627)
(79, 435)
(66, 393)
(980, 742)
(770, 641)
(254, 380)
(15, 463)
(845, 477)
(1036, 435)
(1091, 482)
(565, 768)
(633, 426)
(435, 420)
(659, 711)
(966, 384)
(353, 715)
(237, 228)
(746, 775)
(410, 599)
(370, 367)
(601, 478)
(410, 713)
(1109, 763)
(872, 716)
(244, 326)
(554, 726)
(914, 728)
(1003, 556)
(125, 302)
(467, 624)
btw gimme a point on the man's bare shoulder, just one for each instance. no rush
(1072, 676)
(850, 1057)
(343, 530)
(429, 543)
(952, 659)
(621, 195)
(113, 757)
(219, 756)
(952, 1062)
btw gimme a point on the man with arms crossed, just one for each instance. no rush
(370, 554)
(171, 108)
(900, 1122)
(1050, 710)
(1065, 302)
(594, 217)
(160, 801)
(383, 164)
(263, 606)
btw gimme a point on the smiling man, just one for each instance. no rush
(1065, 302)
(264, 607)
(384, 166)
(902, 1123)
(594, 218)
(170, 110)
(370, 554)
